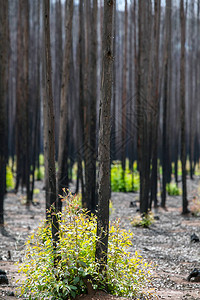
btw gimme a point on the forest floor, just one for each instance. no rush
(166, 243)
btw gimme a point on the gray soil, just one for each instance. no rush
(166, 243)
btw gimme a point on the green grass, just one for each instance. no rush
(39, 173)
(173, 190)
(127, 182)
(143, 221)
(9, 179)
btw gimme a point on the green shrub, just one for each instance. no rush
(172, 189)
(143, 221)
(9, 178)
(41, 159)
(39, 173)
(127, 273)
(36, 191)
(74, 171)
(123, 182)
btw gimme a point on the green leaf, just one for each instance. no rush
(82, 263)
(76, 280)
(72, 287)
(73, 294)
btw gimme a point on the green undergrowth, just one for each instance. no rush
(127, 273)
(39, 173)
(173, 189)
(143, 221)
(9, 178)
(124, 181)
(36, 191)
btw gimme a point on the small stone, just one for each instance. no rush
(194, 238)
(146, 249)
(2, 272)
(194, 274)
(132, 204)
(9, 254)
(3, 279)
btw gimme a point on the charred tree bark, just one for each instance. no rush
(192, 91)
(92, 194)
(3, 105)
(62, 152)
(182, 104)
(165, 102)
(86, 103)
(58, 63)
(144, 50)
(49, 127)
(113, 128)
(155, 121)
(22, 108)
(37, 100)
(124, 92)
(81, 58)
(104, 138)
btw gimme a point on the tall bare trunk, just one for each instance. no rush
(165, 100)
(81, 58)
(182, 104)
(104, 137)
(144, 55)
(22, 108)
(191, 84)
(36, 133)
(92, 195)
(3, 106)
(156, 106)
(113, 129)
(124, 92)
(58, 62)
(62, 153)
(49, 125)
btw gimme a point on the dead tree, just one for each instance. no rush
(3, 106)
(49, 127)
(22, 107)
(104, 137)
(182, 109)
(62, 149)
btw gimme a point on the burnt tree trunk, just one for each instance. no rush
(156, 106)
(22, 107)
(81, 57)
(182, 104)
(165, 102)
(124, 93)
(92, 194)
(3, 106)
(62, 150)
(104, 138)
(49, 127)
(144, 53)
